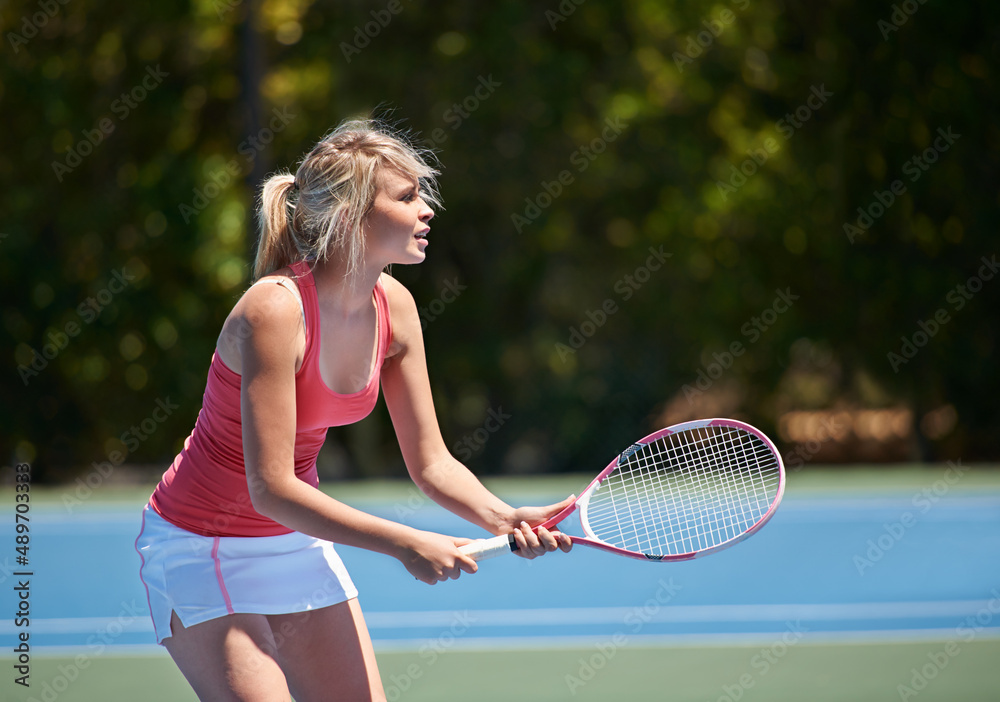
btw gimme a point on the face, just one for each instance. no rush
(396, 228)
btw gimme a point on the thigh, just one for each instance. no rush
(229, 658)
(327, 654)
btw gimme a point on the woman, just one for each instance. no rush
(306, 348)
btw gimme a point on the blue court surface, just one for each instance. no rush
(852, 567)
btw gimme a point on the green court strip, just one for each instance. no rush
(818, 673)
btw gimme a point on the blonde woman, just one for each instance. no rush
(245, 588)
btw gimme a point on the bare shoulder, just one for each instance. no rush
(269, 306)
(395, 291)
(268, 319)
(403, 312)
(401, 303)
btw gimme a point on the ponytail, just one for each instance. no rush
(277, 246)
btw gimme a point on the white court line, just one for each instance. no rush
(875, 637)
(866, 611)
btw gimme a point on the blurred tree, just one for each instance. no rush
(648, 204)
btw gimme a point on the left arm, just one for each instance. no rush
(435, 471)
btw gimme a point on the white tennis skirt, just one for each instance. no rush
(205, 577)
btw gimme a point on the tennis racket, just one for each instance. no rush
(680, 493)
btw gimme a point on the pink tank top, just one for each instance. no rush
(205, 489)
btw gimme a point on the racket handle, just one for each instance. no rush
(490, 548)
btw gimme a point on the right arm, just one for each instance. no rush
(271, 321)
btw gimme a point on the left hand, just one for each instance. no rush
(531, 544)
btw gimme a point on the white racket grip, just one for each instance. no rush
(489, 548)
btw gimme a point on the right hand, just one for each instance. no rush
(434, 558)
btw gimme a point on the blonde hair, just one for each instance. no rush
(319, 212)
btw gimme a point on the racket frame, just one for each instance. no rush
(505, 543)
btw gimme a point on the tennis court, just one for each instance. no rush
(865, 581)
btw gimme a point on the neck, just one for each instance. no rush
(336, 291)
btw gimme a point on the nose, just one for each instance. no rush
(426, 213)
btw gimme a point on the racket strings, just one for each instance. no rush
(685, 492)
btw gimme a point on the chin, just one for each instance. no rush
(411, 257)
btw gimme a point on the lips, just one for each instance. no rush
(423, 234)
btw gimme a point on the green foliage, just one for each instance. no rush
(600, 132)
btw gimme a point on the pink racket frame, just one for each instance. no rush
(583, 500)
